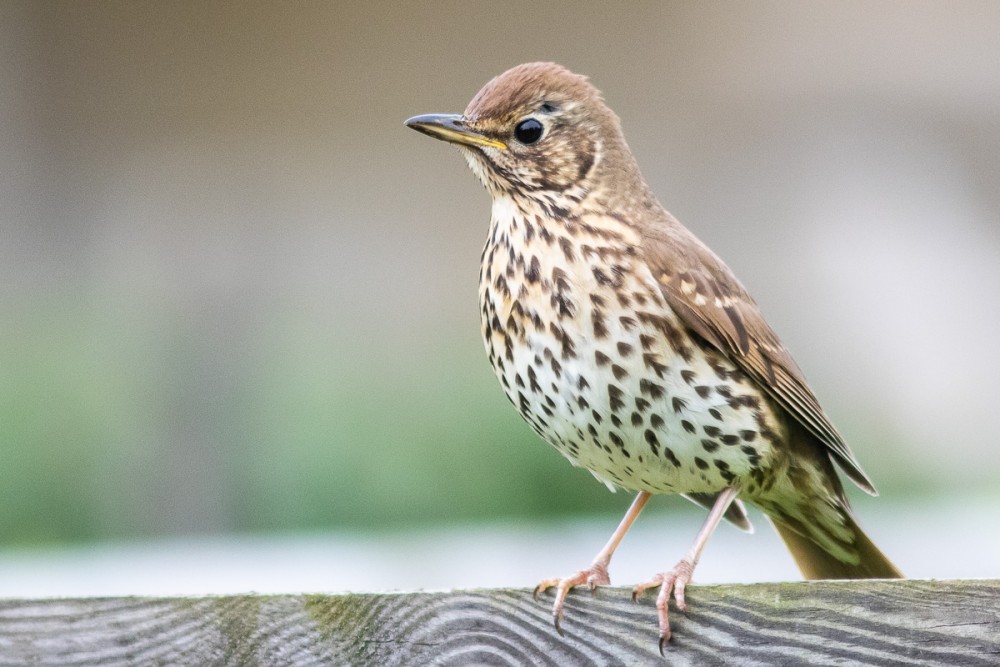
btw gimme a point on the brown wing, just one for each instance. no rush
(705, 294)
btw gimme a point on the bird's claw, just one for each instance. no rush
(592, 577)
(673, 582)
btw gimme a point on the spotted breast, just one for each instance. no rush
(593, 358)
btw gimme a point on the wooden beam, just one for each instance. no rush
(857, 622)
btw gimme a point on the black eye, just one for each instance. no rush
(528, 131)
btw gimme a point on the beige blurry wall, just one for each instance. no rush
(236, 293)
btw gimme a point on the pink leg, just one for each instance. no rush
(597, 574)
(678, 578)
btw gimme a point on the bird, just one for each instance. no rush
(631, 348)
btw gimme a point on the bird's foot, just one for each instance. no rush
(674, 581)
(593, 576)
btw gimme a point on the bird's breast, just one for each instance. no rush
(593, 358)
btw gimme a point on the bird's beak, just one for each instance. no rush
(452, 128)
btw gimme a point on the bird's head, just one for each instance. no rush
(536, 131)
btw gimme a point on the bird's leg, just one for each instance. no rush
(597, 574)
(677, 579)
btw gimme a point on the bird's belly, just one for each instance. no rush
(623, 389)
(667, 432)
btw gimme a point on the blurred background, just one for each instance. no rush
(239, 332)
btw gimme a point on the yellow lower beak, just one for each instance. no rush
(451, 128)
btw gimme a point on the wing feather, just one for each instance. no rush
(709, 299)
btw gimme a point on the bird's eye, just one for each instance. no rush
(528, 131)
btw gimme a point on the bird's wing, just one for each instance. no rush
(708, 298)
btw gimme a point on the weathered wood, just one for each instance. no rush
(864, 622)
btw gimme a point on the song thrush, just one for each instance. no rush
(630, 347)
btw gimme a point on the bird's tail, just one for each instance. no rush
(816, 562)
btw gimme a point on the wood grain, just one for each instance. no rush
(863, 622)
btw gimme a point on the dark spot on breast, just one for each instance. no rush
(513, 328)
(641, 404)
(624, 349)
(688, 376)
(501, 286)
(651, 361)
(615, 395)
(636, 419)
(688, 426)
(678, 404)
(518, 380)
(597, 320)
(597, 300)
(619, 372)
(709, 445)
(556, 367)
(592, 430)
(669, 455)
(715, 413)
(618, 273)
(701, 463)
(652, 441)
(597, 416)
(533, 380)
(567, 248)
(582, 402)
(744, 402)
(646, 341)
(534, 272)
(556, 211)
(748, 435)
(601, 358)
(628, 323)
(654, 390)
(616, 439)
(616, 420)
(656, 421)
(568, 346)
(600, 276)
(582, 383)
(729, 439)
(703, 391)
(562, 304)
(711, 431)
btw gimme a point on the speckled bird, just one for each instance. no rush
(631, 348)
